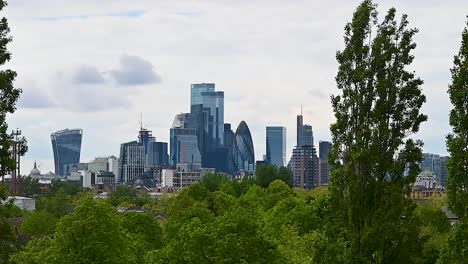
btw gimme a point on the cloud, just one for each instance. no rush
(135, 71)
(86, 74)
(35, 98)
(128, 14)
(190, 13)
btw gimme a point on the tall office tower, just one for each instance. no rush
(184, 143)
(305, 167)
(444, 170)
(229, 138)
(215, 102)
(308, 136)
(197, 89)
(300, 130)
(66, 145)
(324, 148)
(131, 162)
(305, 134)
(157, 155)
(144, 137)
(432, 163)
(276, 145)
(207, 118)
(243, 150)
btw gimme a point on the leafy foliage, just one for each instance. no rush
(379, 107)
(457, 142)
(266, 174)
(39, 222)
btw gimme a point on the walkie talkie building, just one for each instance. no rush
(66, 145)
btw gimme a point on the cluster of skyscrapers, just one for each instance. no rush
(201, 142)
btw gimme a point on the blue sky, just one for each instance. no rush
(97, 65)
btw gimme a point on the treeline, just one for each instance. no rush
(218, 221)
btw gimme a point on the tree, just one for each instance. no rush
(122, 193)
(144, 231)
(91, 234)
(58, 205)
(8, 241)
(457, 141)
(213, 181)
(456, 251)
(266, 174)
(39, 222)
(27, 186)
(376, 112)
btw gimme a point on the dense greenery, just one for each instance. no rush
(456, 250)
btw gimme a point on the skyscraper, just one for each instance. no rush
(243, 149)
(432, 162)
(66, 145)
(307, 136)
(324, 148)
(131, 162)
(305, 167)
(276, 145)
(196, 92)
(300, 130)
(184, 143)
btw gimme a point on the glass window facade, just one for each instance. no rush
(276, 146)
(197, 89)
(66, 145)
(324, 148)
(184, 146)
(308, 137)
(131, 162)
(243, 149)
(215, 102)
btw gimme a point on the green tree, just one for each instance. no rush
(27, 186)
(144, 231)
(91, 234)
(122, 193)
(70, 188)
(8, 240)
(457, 141)
(39, 222)
(456, 251)
(376, 112)
(213, 181)
(58, 205)
(266, 174)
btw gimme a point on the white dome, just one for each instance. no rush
(35, 171)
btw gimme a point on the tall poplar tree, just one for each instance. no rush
(375, 160)
(457, 141)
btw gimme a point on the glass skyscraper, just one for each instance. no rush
(66, 145)
(131, 162)
(305, 134)
(276, 145)
(324, 148)
(184, 143)
(243, 149)
(197, 89)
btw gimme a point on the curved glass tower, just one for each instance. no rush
(244, 157)
(66, 145)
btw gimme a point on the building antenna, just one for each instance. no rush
(141, 121)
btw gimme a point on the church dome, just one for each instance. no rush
(35, 171)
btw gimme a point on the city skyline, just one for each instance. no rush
(266, 75)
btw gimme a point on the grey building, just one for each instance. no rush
(305, 167)
(131, 162)
(276, 145)
(305, 134)
(184, 143)
(66, 145)
(432, 163)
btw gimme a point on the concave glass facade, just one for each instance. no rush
(276, 145)
(66, 145)
(244, 156)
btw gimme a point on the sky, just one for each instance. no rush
(97, 65)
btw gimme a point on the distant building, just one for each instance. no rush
(324, 148)
(444, 170)
(276, 145)
(131, 162)
(426, 186)
(24, 203)
(183, 143)
(305, 134)
(305, 167)
(66, 145)
(244, 150)
(179, 178)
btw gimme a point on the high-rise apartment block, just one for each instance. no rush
(276, 145)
